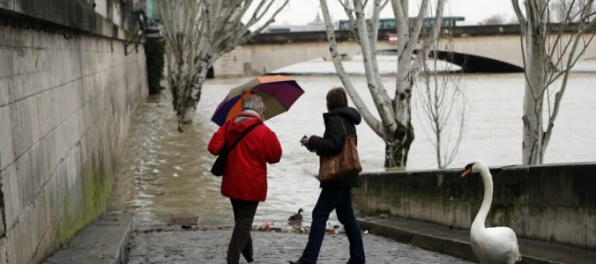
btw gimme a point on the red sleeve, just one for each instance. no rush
(273, 147)
(217, 140)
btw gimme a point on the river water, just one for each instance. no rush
(164, 173)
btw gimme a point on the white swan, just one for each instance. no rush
(495, 245)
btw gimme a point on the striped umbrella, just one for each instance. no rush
(278, 93)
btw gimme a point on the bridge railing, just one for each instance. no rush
(457, 31)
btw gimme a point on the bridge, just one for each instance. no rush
(477, 49)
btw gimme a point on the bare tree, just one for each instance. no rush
(199, 33)
(548, 59)
(394, 126)
(443, 107)
(560, 8)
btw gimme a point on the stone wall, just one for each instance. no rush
(109, 18)
(547, 202)
(67, 93)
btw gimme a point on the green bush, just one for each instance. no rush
(154, 53)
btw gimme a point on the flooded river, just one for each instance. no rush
(164, 173)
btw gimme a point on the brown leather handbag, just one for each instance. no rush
(346, 163)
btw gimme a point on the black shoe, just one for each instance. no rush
(249, 257)
(296, 262)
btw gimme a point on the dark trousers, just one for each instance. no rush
(241, 241)
(339, 199)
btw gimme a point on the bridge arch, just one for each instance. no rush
(469, 63)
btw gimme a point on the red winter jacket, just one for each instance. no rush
(245, 172)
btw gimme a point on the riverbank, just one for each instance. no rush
(113, 239)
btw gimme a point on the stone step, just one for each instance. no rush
(105, 241)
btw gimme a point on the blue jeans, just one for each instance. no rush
(339, 199)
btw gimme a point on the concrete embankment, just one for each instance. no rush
(550, 203)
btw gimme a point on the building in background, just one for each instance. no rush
(315, 25)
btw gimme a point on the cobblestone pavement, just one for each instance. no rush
(209, 247)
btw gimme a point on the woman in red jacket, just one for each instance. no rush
(245, 173)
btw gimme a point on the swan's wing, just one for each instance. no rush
(503, 234)
(495, 245)
(504, 240)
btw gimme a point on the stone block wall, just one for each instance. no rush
(66, 100)
(548, 202)
(109, 18)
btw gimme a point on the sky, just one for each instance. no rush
(301, 12)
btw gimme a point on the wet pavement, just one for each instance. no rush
(209, 246)
(113, 239)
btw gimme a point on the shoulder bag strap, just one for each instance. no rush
(341, 120)
(243, 134)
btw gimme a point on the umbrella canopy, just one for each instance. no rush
(278, 93)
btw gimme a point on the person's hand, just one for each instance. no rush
(304, 141)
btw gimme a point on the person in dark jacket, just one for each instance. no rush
(245, 173)
(336, 194)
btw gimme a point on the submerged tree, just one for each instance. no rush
(442, 102)
(548, 59)
(443, 106)
(199, 32)
(394, 126)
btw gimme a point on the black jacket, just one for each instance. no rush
(333, 139)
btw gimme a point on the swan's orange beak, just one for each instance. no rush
(466, 172)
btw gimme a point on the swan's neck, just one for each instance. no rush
(487, 200)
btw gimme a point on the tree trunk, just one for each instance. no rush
(396, 152)
(536, 63)
(195, 92)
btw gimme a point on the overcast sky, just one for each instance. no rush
(300, 12)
